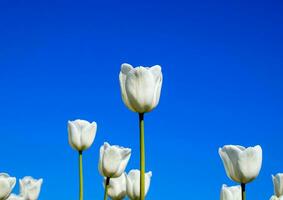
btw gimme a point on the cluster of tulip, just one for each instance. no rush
(242, 165)
(140, 88)
(29, 188)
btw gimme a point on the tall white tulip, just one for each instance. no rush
(7, 184)
(117, 187)
(133, 184)
(230, 193)
(81, 134)
(113, 160)
(140, 87)
(30, 188)
(278, 184)
(241, 164)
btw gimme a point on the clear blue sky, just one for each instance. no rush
(222, 64)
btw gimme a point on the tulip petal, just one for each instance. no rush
(88, 135)
(74, 136)
(140, 87)
(125, 69)
(157, 74)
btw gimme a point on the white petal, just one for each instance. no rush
(140, 88)
(278, 184)
(250, 163)
(125, 69)
(117, 187)
(74, 136)
(88, 135)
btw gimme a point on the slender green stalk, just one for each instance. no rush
(107, 181)
(243, 186)
(142, 156)
(81, 175)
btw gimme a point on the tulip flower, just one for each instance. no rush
(141, 88)
(117, 187)
(230, 193)
(278, 184)
(112, 162)
(133, 184)
(81, 136)
(7, 184)
(241, 164)
(30, 188)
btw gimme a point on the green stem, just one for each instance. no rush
(81, 175)
(243, 186)
(142, 156)
(107, 181)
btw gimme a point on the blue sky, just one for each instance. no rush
(222, 64)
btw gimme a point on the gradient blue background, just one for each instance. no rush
(222, 64)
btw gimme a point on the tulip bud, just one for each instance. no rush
(133, 184)
(241, 164)
(117, 187)
(230, 193)
(7, 184)
(140, 87)
(30, 188)
(81, 134)
(278, 184)
(113, 160)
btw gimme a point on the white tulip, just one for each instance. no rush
(117, 187)
(7, 184)
(274, 197)
(140, 87)
(30, 188)
(81, 134)
(241, 164)
(15, 197)
(113, 160)
(133, 184)
(278, 184)
(230, 193)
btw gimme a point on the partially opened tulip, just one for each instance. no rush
(278, 184)
(241, 164)
(141, 88)
(7, 184)
(117, 187)
(133, 184)
(30, 188)
(81, 136)
(112, 162)
(230, 193)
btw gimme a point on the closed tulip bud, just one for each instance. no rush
(278, 184)
(241, 164)
(133, 184)
(230, 193)
(117, 187)
(81, 134)
(113, 160)
(7, 184)
(140, 87)
(30, 188)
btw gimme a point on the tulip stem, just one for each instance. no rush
(107, 181)
(142, 156)
(243, 186)
(81, 175)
